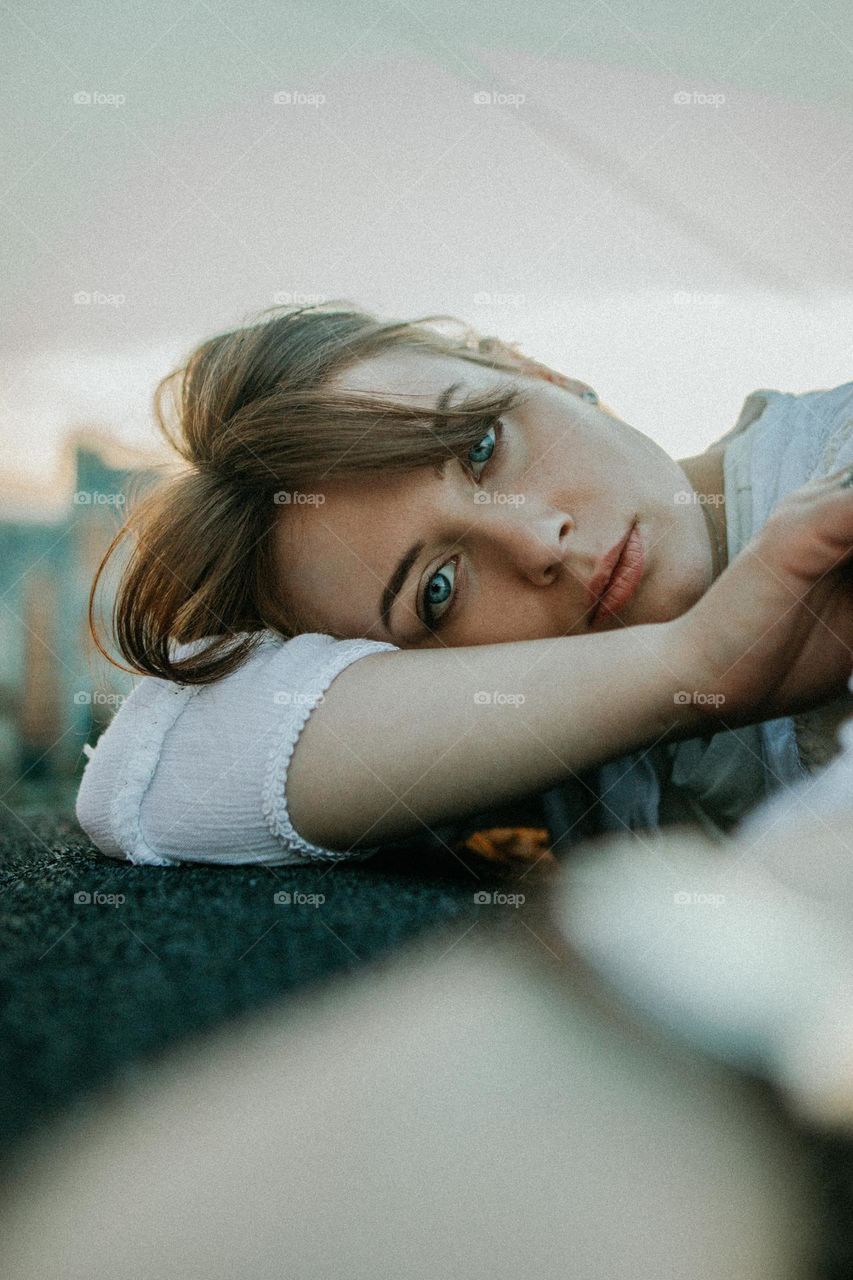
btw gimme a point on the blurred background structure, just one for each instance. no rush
(656, 199)
(56, 690)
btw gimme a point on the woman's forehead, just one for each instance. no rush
(333, 558)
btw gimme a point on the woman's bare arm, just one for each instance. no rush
(421, 736)
(424, 735)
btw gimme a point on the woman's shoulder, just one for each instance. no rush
(807, 419)
(751, 409)
(799, 436)
(183, 737)
(783, 439)
(277, 671)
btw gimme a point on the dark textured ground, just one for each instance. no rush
(89, 990)
(92, 991)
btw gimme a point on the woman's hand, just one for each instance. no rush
(774, 634)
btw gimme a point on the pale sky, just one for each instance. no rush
(654, 198)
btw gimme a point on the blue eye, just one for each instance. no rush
(489, 442)
(439, 588)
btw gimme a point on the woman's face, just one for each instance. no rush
(518, 546)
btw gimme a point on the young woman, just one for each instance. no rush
(409, 575)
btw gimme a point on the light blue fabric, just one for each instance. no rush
(781, 441)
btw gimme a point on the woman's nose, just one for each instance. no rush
(538, 544)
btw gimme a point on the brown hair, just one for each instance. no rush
(257, 420)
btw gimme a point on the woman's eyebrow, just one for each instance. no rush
(398, 578)
(397, 581)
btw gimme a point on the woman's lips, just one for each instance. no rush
(619, 576)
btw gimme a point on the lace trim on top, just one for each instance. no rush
(274, 800)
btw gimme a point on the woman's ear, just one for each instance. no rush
(535, 369)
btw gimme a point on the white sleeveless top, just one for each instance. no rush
(189, 773)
